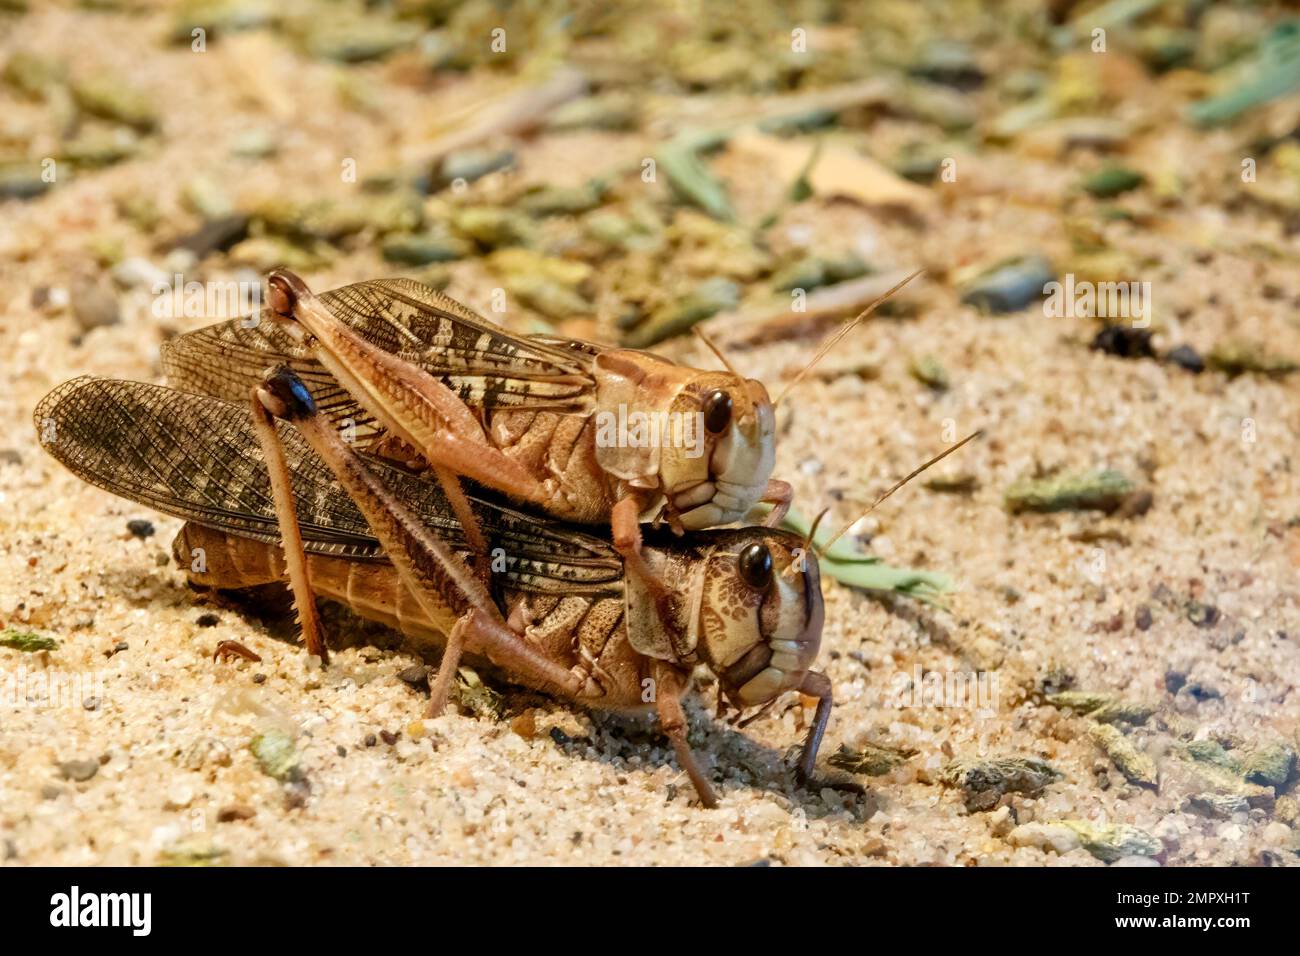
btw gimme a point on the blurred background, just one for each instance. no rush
(624, 172)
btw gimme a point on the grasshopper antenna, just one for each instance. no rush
(845, 329)
(715, 350)
(821, 551)
(808, 544)
(812, 532)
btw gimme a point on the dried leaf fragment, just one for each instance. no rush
(28, 641)
(1100, 490)
(870, 759)
(1136, 766)
(985, 781)
(837, 171)
(277, 756)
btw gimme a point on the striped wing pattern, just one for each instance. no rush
(197, 457)
(483, 364)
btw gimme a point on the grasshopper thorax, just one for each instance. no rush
(704, 439)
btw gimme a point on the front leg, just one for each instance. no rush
(779, 494)
(819, 686)
(668, 685)
(625, 525)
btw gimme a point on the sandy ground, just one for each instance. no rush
(1043, 600)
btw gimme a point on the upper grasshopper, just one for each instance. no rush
(558, 613)
(544, 420)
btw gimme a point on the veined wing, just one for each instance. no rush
(198, 458)
(482, 363)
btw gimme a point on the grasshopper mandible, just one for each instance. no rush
(561, 615)
(528, 416)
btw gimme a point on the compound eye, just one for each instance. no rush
(755, 566)
(717, 412)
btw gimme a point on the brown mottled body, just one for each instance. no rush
(585, 634)
(559, 451)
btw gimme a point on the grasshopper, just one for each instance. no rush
(560, 612)
(541, 419)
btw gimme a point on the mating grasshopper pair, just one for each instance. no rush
(422, 387)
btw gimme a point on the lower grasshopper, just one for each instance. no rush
(559, 614)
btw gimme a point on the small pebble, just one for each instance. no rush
(874, 846)
(1277, 834)
(219, 234)
(1113, 181)
(416, 675)
(296, 793)
(1001, 822)
(234, 812)
(1124, 342)
(79, 770)
(93, 305)
(139, 273)
(525, 725)
(1271, 765)
(462, 777)
(1010, 286)
(1186, 357)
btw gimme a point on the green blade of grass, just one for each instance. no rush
(850, 565)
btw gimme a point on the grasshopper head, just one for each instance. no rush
(761, 614)
(738, 429)
(705, 439)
